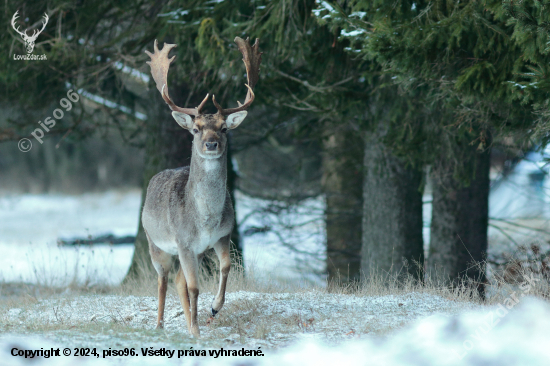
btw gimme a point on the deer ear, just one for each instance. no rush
(184, 120)
(235, 119)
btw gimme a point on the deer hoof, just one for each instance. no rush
(214, 312)
(195, 332)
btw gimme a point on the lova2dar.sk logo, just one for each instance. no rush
(29, 40)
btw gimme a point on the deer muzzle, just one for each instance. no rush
(211, 146)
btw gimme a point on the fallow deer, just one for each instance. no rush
(188, 210)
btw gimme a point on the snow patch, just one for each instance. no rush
(426, 330)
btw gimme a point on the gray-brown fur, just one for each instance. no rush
(188, 210)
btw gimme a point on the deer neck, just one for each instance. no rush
(207, 186)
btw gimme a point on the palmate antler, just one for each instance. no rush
(160, 63)
(252, 57)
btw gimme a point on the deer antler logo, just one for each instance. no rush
(29, 40)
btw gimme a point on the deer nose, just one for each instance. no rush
(211, 146)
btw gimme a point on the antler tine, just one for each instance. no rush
(252, 57)
(200, 107)
(160, 63)
(218, 107)
(227, 111)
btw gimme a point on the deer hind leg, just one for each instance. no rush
(222, 251)
(162, 262)
(190, 267)
(181, 286)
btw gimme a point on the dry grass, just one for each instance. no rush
(526, 271)
(244, 320)
(238, 280)
(271, 314)
(376, 284)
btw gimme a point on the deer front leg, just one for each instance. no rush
(181, 287)
(222, 251)
(162, 286)
(190, 266)
(162, 262)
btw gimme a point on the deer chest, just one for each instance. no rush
(209, 234)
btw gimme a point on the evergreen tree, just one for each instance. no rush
(307, 69)
(302, 73)
(531, 21)
(88, 46)
(463, 57)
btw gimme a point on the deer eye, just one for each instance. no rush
(195, 130)
(224, 130)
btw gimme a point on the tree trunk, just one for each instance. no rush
(460, 215)
(392, 215)
(167, 146)
(342, 185)
(231, 177)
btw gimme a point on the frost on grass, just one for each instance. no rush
(299, 329)
(479, 338)
(251, 319)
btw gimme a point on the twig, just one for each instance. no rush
(318, 89)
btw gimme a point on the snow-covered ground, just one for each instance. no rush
(302, 328)
(30, 226)
(305, 328)
(518, 202)
(280, 242)
(292, 247)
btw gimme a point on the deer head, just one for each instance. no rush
(209, 130)
(29, 40)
